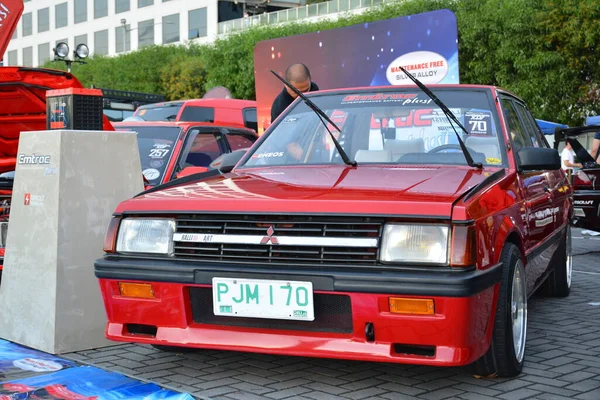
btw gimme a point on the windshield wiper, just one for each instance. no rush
(449, 114)
(321, 114)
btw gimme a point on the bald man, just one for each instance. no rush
(299, 76)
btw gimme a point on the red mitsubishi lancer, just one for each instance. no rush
(394, 224)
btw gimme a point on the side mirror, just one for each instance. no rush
(538, 158)
(230, 160)
(191, 170)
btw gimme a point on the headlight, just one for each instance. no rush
(415, 243)
(143, 235)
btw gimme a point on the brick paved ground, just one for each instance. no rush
(563, 361)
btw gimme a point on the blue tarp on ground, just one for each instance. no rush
(29, 374)
(548, 127)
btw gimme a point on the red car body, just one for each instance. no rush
(230, 112)
(449, 314)
(23, 102)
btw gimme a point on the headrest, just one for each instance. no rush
(373, 156)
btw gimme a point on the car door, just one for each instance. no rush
(557, 180)
(537, 203)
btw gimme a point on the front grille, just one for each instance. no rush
(321, 228)
(333, 313)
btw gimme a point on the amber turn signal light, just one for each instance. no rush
(400, 305)
(464, 246)
(110, 240)
(137, 290)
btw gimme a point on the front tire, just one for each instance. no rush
(506, 354)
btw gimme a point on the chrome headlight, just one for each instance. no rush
(146, 235)
(415, 243)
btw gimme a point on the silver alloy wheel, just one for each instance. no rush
(519, 311)
(569, 260)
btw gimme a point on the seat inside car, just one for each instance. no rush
(485, 145)
(373, 156)
(401, 147)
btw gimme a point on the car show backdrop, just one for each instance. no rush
(362, 55)
(31, 374)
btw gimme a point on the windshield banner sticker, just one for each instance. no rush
(402, 98)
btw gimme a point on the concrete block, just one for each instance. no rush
(67, 185)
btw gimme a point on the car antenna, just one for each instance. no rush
(321, 115)
(449, 114)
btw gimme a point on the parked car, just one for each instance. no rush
(409, 230)
(585, 182)
(174, 149)
(230, 112)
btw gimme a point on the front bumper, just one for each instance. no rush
(345, 304)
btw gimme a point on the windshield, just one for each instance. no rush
(155, 144)
(393, 127)
(166, 112)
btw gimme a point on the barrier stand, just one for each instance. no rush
(67, 185)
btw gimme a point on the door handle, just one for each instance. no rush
(547, 189)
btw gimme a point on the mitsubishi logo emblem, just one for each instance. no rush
(269, 238)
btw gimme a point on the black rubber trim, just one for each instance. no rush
(544, 246)
(181, 181)
(48, 71)
(479, 187)
(451, 282)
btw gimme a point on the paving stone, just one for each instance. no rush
(288, 393)
(519, 394)
(440, 394)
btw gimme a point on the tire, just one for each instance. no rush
(174, 349)
(558, 283)
(506, 354)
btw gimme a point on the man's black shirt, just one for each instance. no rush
(283, 100)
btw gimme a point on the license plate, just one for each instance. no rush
(258, 298)
(579, 212)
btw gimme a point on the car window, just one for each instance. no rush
(155, 146)
(237, 142)
(164, 112)
(250, 119)
(204, 149)
(198, 114)
(531, 126)
(518, 133)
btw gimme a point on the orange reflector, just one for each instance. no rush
(139, 290)
(399, 305)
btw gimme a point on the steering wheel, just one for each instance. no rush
(445, 147)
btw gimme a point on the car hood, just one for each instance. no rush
(23, 104)
(391, 190)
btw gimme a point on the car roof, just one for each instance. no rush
(181, 124)
(217, 103)
(461, 86)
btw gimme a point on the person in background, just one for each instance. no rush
(595, 146)
(567, 158)
(299, 76)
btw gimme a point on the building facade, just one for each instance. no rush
(108, 27)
